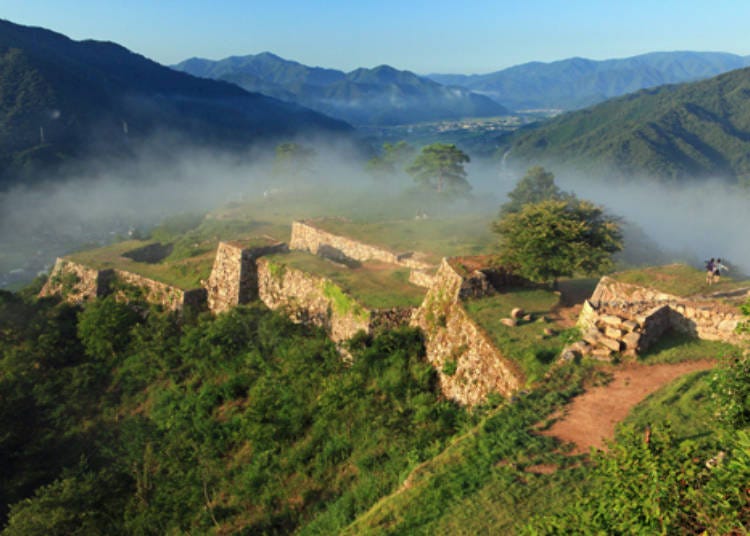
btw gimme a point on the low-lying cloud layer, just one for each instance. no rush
(691, 221)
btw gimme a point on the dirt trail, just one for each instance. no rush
(591, 417)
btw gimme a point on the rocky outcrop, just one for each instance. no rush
(307, 237)
(234, 276)
(628, 319)
(468, 363)
(312, 299)
(75, 282)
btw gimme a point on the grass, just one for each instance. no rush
(674, 347)
(684, 404)
(185, 273)
(677, 279)
(525, 343)
(435, 238)
(374, 285)
(480, 484)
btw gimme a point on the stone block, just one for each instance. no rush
(517, 312)
(592, 337)
(612, 344)
(510, 322)
(601, 353)
(613, 333)
(630, 325)
(727, 326)
(631, 340)
(611, 320)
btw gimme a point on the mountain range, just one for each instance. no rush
(379, 96)
(578, 82)
(689, 130)
(61, 99)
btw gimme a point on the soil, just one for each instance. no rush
(590, 419)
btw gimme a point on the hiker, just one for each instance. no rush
(718, 267)
(710, 271)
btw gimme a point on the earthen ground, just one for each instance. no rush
(590, 419)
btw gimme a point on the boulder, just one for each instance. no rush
(517, 313)
(510, 322)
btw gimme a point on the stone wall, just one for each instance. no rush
(627, 318)
(312, 299)
(234, 277)
(421, 278)
(170, 297)
(75, 282)
(307, 237)
(468, 363)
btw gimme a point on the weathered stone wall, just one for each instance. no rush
(234, 277)
(468, 363)
(310, 299)
(627, 318)
(421, 278)
(76, 283)
(170, 297)
(307, 237)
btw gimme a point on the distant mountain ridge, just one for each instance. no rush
(578, 82)
(61, 99)
(689, 130)
(382, 95)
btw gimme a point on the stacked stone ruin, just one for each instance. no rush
(621, 319)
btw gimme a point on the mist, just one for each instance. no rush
(104, 201)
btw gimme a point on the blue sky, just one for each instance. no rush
(447, 36)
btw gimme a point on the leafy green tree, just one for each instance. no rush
(537, 185)
(104, 327)
(551, 239)
(392, 160)
(441, 167)
(293, 160)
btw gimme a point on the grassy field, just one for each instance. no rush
(525, 343)
(684, 404)
(677, 279)
(436, 238)
(674, 347)
(373, 285)
(185, 273)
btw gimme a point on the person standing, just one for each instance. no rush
(710, 271)
(718, 267)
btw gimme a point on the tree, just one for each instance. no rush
(537, 185)
(392, 160)
(557, 238)
(441, 167)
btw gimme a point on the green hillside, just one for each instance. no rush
(61, 99)
(578, 82)
(378, 96)
(672, 132)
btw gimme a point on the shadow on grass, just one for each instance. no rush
(674, 347)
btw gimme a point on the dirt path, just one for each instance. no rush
(591, 417)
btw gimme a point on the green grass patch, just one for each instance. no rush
(435, 238)
(525, 343)
(674, 347)
(185, 273)
(677, 279)
(480, 484)
(684, 404)
(374, 285)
